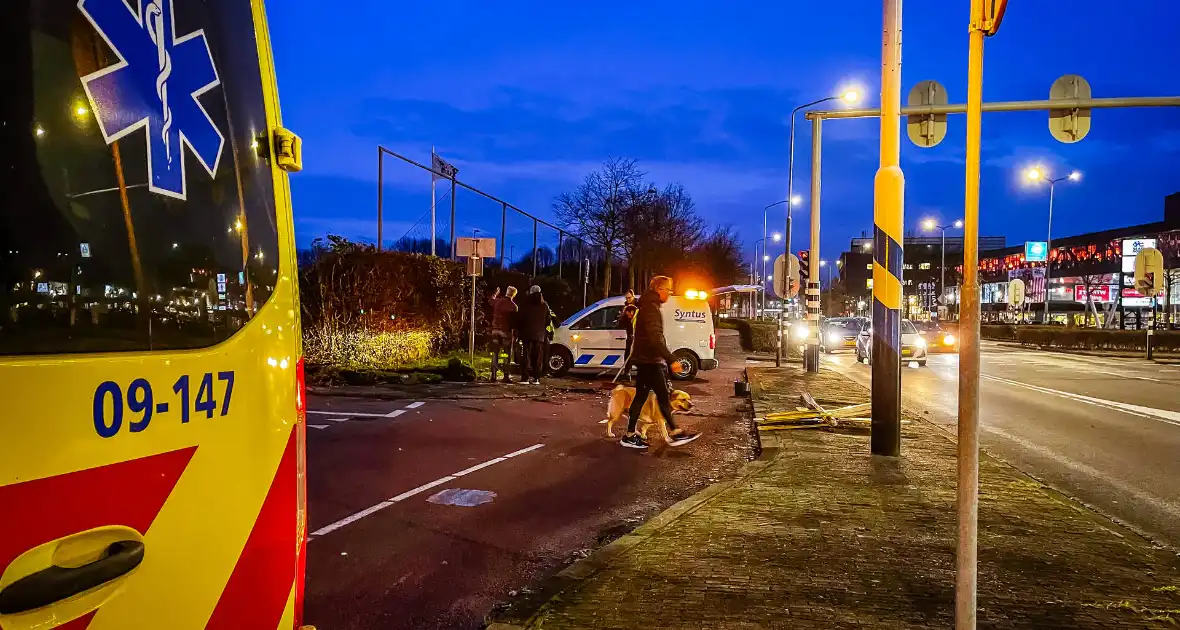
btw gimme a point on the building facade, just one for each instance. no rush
(1090, 276)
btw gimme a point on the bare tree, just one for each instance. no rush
(596, 209)
(1091, 282)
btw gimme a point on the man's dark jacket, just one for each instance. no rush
(533, 318)
(649, 345)
(503, 314)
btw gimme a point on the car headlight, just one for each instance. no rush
(921, 343)
(949, 340)
(800, 332)
(833, 338)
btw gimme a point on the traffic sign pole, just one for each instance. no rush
(966, 570)
(889, 199)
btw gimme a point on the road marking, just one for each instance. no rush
(395, 413)
(1121, 375)
(415, 405)
(478, 467)
(327, 529)
(1163, 415)
(348, 413)
(318, 426)
(339, 419)
(422, 488)
(1160, 502)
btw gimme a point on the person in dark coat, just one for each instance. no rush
(532, 324)
(651, 356)
(504, 313)
(627, 322)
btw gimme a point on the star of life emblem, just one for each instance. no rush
(154, 86)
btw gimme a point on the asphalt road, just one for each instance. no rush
(1104, 430)
(425, 514)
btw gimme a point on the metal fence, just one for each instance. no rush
(425, 210)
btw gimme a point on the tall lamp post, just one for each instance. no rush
(1038, 174)
(849, 96)
(792, 201)
(930, 225)
(776, 237)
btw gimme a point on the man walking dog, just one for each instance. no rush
(650, 354)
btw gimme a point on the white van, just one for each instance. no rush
(590, 340)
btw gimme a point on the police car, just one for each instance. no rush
(589, 339)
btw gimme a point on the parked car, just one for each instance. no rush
(913, 346)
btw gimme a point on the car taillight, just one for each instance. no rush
(712, 341)
(301, 492)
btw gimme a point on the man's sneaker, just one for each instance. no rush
(633, 441)
(535, 381)
(680, 439)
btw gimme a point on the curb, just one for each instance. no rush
(529, 611)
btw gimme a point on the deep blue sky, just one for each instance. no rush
(527, 97)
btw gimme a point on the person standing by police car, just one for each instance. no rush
(651, 357)
(504, 312)
(533, 323)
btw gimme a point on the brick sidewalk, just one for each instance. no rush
(819, 534)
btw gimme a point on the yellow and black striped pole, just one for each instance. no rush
(888, 217)
(811, 358)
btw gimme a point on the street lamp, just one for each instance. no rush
(776, 237)
(930, 225)
(1038, 174)
(848, 96)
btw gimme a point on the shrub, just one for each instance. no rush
(352, 288)
(757, 336)
(359, 348)
(1058, 337)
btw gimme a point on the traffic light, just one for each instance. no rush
(804, 266)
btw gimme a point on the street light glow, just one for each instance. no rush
(850, 96)
(823, 263)
(1075, 176)
(765, 257)
(1034, 174)
(39, 130)
(928, 224)
(777, 237)
(958, 223)
(796, 200)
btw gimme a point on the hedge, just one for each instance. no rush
(1060, 337)
(365, 310)
(756, 336)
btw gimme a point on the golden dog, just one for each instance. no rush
(620, 401)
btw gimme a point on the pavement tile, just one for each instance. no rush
(820, 534)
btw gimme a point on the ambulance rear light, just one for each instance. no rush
(712, 341)
(693, 294)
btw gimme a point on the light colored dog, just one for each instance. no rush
(620, 401)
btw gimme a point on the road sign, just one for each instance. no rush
(476, 247)
(1149, 271)
(1073, 123)
(926, 130)
(1036, 251)
(1016, 292)
(786, 276)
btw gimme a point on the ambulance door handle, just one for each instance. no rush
(55, 583)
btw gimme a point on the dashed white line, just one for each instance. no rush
(1163, 415)
(395, 413)
(340, 419)
(422, 488)
(348, 413)
(327, 529)
(318, 426)
(415, 405)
